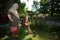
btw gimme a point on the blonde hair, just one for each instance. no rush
(14, 4)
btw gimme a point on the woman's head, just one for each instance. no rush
(15, 6)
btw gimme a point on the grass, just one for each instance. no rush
(39, 33)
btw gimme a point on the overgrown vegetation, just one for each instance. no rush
(41, 31)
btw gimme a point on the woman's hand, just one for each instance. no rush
(26, 23)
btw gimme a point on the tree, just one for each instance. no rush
(35, 6)
(21, 6)
(50, 6)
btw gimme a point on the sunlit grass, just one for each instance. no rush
(32, 37)
(5, 37)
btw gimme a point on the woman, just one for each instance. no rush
(14, 19)
(26, 24)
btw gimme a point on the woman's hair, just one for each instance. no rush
(14, 4)
(11, 6)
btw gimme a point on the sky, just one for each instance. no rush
(28, 3)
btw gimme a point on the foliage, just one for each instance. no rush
(36, 5)
(50, 7)
(21, 8)
(40, 27)
(22, 33)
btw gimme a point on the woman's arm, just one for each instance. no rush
(9, 16)
(26, 19)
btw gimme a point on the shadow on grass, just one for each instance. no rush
(46, 32)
